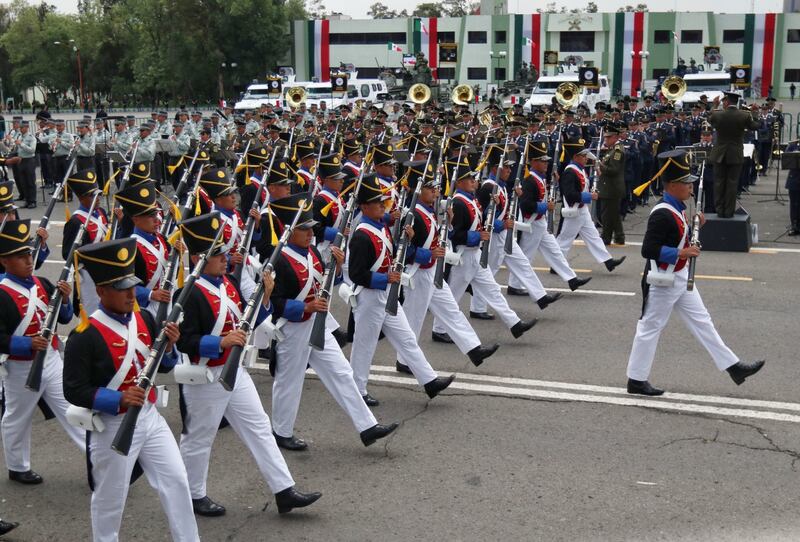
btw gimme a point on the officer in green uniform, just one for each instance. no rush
(611, 187)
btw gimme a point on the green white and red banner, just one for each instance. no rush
(319, 48)
(628, 36)
(425, 40)
(759, 48)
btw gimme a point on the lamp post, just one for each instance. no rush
(500, 55)
(80, 68)
(643, 56)
(223, 65)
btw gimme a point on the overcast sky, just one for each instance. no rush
(358, 8)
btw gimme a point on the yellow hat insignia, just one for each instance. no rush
(144, 192)
(389, 148)
(23, 228)
(283, 166)
(221, 174)
(122, 254)
(142, 167)
(90, 175)
(3, 191)
(335, 160)
(215, 223)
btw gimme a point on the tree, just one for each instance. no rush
(316, 9)
(381, 11)
(427, 9)
(591, 7)
(458, 8)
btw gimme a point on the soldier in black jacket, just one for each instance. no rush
(667, 251)
(100, 378)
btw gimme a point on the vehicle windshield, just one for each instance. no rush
(319, 93)
(547, 87)
(719, 84)
(256, 94)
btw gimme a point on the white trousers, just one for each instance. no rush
(21, 405)
(518, 266)
(582, 225)
(331, 367)
(483, 284)
(426, 297)
(371, 318)
(205, 406)
(539, 239)
(157, 452)
(660, 302)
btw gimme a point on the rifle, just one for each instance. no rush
(43, 223)
(444, 220)
(180, 191)
(192, 194)
(553, 183)
(513, 199)
(227, 376)
(122, 185)
(595, 173)
(695, 241)
(317, 338)
(34, 381)
(312, 189)
(242, 157)
(488, 221)
(400, 256)
(250, 226)
(146, 377)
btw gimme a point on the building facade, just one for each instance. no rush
(485, 49)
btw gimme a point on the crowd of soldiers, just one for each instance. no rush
(372, 198)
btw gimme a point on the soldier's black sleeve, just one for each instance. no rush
(70, 232)
(193, 327)
(569, 185)
(484, 195)
(660, 233)
(82, 353)
(247, 197)
(323, 221)
(8, 323)
(460, 233)
(362, 257)
(528, 201)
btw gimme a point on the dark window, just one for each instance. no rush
(691, 36)
(368, 39)
(499, 74)
(499, 36)
(446, 37)
(368, 73)
(733, 36)
(476, 73)
(791, 76)
(476, 37)
(793, 35)
(576, 42)
(445, 73)
(448, 52)
(660, 72)
(662, 36)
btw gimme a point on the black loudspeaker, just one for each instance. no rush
(727, 234)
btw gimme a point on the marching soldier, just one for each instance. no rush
(577, 219)
(152, 250)
(466, 235)
(420, 266)
(305, 153)
(24, 299)
(571, 140)
(299, 276)
(611, 186)
(8, 212)
(84, 185)
(369, 268)
(255, 160)
(667, 249)
(534, 204)
(209, 329)
(100, 378)
(516, 262)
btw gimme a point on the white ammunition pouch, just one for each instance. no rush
(192, 375)
(84, 418)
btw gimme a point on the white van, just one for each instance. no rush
(257, 95)
(545, 90)
(712, 84)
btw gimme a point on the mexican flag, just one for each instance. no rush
(394, 47)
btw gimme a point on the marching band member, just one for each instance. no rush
(8, 211)
(369, 268)
(424, 296)
(518, 264)
(101, 362)
(577, 218)
(534, 206)
(24, 299)
(667, 250)
(208, 331)
(181, 143)
(466, 234)
(299, 274)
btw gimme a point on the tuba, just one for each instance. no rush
(296, 96)
(419, 93)
(568, 94)
(673, 88)
(462, 95)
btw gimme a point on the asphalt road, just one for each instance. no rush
(539, 443)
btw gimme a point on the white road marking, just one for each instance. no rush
(579, 242)
(584, 291)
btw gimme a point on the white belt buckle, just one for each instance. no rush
(192, 375)
(85, 419)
